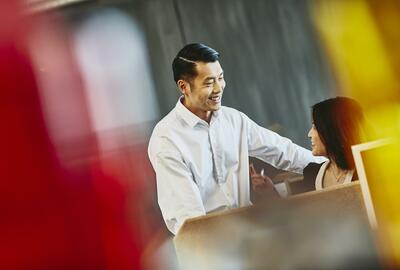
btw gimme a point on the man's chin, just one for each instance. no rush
(215, 108)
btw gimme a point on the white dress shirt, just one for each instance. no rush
(201, 167)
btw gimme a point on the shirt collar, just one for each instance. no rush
(190, 118)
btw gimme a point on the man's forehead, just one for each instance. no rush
(208, 69)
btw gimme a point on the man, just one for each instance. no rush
(200, 150)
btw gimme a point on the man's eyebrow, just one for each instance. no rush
(209, 78)
(213, 77)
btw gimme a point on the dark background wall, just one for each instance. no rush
(274, 65)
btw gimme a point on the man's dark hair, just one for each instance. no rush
(184, 64)
(339, 124)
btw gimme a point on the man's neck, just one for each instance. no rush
(204, 115)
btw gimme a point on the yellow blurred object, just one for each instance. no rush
(357, 50)
(361, 39)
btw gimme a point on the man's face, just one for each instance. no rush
(204, 92)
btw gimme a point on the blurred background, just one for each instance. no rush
(274, 64)
(83, 82)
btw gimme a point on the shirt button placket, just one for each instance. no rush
(215, 155)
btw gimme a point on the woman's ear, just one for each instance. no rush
(183, 86)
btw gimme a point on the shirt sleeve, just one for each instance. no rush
(178, 195)
(276, 150)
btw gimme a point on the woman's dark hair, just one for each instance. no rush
(184, 64)
(339, 124)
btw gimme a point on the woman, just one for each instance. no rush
(337, 125)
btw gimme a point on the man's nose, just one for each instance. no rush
(218, 87)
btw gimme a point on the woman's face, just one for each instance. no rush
(318, 148)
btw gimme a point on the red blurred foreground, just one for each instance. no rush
(64, 203)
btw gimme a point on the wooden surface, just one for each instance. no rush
(268, 234)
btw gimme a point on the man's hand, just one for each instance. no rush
(261, 183)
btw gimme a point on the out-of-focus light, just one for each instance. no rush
(360, 38)
(113, 59)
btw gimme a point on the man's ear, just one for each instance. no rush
(183, 86)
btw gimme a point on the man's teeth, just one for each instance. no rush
(217, 98)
